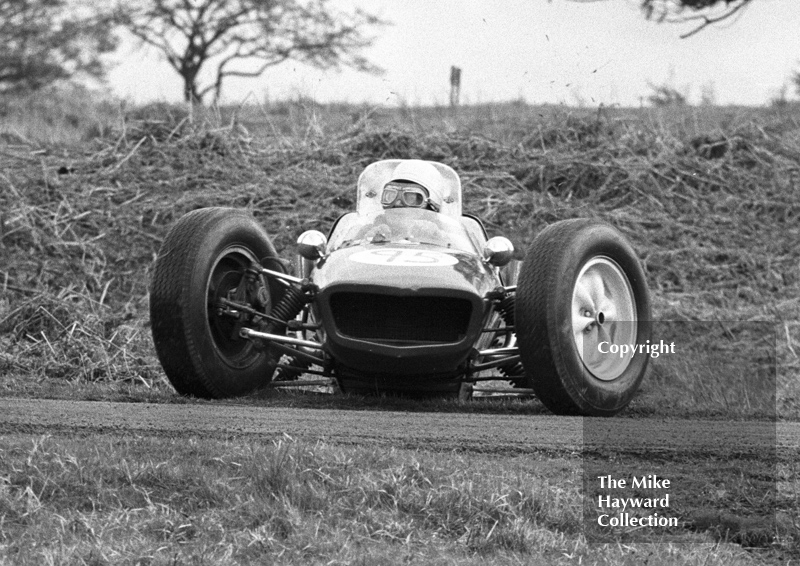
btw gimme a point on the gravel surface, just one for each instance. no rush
(441, 431)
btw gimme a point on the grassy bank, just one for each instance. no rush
(708, 197)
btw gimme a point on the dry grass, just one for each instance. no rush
(707, 196)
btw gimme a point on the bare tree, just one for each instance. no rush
(49, 40)
(702, 12)
(242, 38)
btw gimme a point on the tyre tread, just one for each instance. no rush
(536, 282)
(166, 305)
(171, 305)
(539, 322)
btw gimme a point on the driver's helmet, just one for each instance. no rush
(414, 183)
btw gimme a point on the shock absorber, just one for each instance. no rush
(506, 310)
(287, 308)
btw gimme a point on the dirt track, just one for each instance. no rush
(470, 431)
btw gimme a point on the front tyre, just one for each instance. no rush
(201, 264)
(581, 296)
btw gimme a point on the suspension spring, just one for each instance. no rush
(506, 310)
(287, 308)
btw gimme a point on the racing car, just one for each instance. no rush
(406, 293)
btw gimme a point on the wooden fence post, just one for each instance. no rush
(455, 85)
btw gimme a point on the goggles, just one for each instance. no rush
(396, 194)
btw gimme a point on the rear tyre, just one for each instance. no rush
(580, 285)
(203, 260)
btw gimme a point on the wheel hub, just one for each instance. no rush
(604, 316)
(228, 281)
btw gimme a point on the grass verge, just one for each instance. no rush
(149, 500)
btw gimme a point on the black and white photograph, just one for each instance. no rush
(362, 282)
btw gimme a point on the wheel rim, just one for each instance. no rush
(226, 275)
(603, 310)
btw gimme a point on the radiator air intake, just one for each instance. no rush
(401, 320)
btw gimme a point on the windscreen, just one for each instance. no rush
(407, 226)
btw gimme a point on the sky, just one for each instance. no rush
(558, 52)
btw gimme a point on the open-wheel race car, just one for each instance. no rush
(404, 294)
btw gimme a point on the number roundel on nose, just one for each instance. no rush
(399, 257)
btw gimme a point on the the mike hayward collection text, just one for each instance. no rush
(634, 511)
